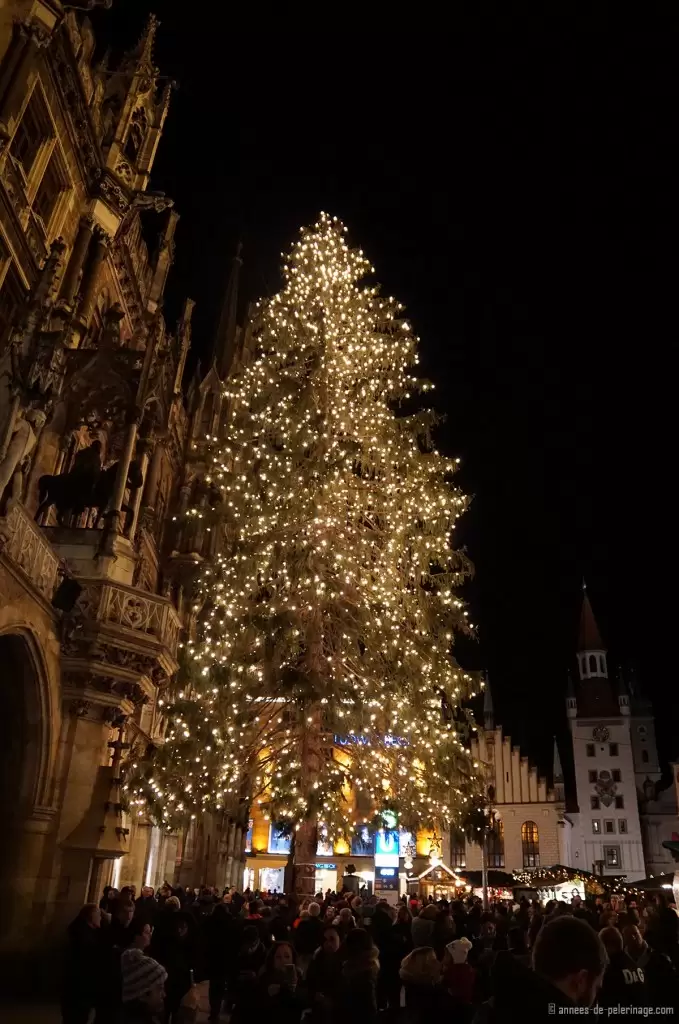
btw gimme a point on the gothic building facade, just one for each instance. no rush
(100, 450)
(621, 812)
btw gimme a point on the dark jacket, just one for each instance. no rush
(284, 1006)
(324, 974)
(623, 982)
(82, 963)
(427, 1003)
(660, 977)
(520, 995)
(357, 997)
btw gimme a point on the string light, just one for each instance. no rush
(333, 610)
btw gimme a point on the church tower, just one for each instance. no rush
(607, 831)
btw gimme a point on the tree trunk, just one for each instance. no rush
(305, 859)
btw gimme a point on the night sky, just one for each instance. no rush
(515, 189)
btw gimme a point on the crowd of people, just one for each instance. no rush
(137, 959)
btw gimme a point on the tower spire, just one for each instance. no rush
(142, 54)
(488, 714)
(227, 329)
(591, 651)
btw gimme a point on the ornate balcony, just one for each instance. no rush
(118, 642)
(27, 550)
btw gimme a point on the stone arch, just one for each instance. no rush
(29, 712)
(28, 727)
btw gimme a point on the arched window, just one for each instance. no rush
(496, 846)
(530, 844)
(592, 663)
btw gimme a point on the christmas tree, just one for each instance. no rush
(323, 666)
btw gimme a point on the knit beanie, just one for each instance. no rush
(140, 974)
(459, 950)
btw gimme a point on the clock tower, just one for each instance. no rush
(606, 836)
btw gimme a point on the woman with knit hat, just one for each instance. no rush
(143, 987)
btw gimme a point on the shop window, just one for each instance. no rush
(496, 846)
(279, 842)
(530, 844)
(248, 837)
(362, 844)
(272, 879)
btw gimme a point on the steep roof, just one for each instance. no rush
(589, 637)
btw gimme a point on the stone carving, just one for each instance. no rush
(24, 440)
(124, 171)
(24, 543)
(122, 606)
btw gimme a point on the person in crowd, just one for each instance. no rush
(569, 960)
(308, 936)
(245, 968)
(518, 946)
(116, 937)
(222, 934)
(178, 954)
(142, 982)
(145, 904)
(82, 965)
(459, 977)
(390, 955)
(109, 899)
(623, 982)
(279, 986)
(344, 923)
(426, 998)
(358, 989)
(324, 974)
(423, 926)
(660, 976)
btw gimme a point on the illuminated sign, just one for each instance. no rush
(386, 849)
(364, 741)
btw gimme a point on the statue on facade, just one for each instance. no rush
(85, 486)
(23, 441)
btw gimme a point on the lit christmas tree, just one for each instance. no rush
(333, 611)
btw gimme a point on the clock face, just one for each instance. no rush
(601, 733)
